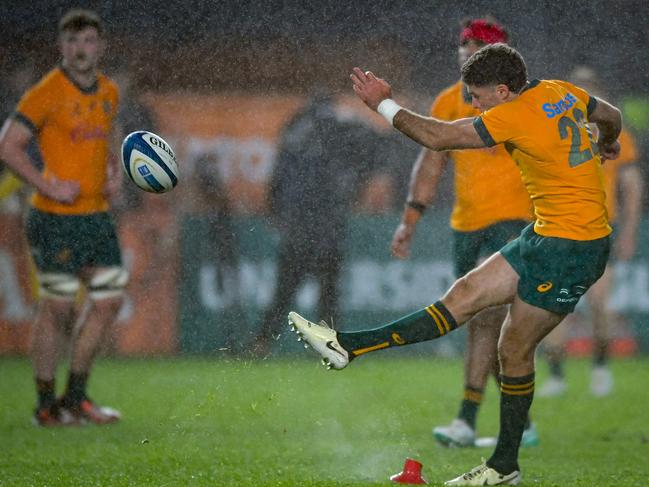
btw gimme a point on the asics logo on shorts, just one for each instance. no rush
(396, 338)
(544, 287)
(579, 290)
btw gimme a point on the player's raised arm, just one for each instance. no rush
(435, 134)
(609, 122)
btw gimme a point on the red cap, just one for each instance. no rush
(484, 31)
(411, 473)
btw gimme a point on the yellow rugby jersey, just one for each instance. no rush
(628, 155)
(545, 129)
(488, 186)
(72, 126)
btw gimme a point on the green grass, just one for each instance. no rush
(217, 422)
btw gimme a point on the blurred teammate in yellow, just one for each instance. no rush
(491, 208)
(544, 272)
(71, 233)
(624, 203)
(9, 184)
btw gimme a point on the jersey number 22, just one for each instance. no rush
(576, 126)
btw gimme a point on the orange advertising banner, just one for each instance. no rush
(17, 301)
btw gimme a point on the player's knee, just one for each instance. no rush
(598, 306)
(60, 311)
(107, 309)
(58, 286)
(107, 284)
(513, 354)
(467, 291)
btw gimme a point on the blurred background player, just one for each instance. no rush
(70, 231)
(210, 198)
(321, 164)
(624, 187)
(491, 208)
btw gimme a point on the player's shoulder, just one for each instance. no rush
(107, 83)
(560, 87)
(542, 91)
(449, 95)
(559, 84)
(50, 81)
(106, 80)
(567, 95)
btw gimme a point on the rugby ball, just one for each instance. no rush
(149, 162)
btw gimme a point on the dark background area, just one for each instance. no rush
(291, 45)
(295, 47)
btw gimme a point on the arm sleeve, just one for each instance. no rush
(32, 109)
(493, 126)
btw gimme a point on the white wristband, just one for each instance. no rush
(389, 108)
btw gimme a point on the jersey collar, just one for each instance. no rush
(87, 91)
(529, 85)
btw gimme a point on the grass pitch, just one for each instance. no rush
(289, 422)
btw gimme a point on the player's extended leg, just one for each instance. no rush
(105, 288)
(492, 283)
(601, 378)
(524, 328)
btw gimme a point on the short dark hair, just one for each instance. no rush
(78, 19)
(496, 64)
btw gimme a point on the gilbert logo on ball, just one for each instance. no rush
(149, 162)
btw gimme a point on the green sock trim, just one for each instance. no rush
(429, 323)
